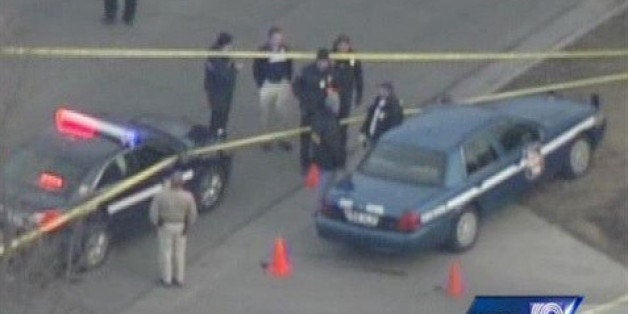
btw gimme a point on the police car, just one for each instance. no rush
(431, 180)
(83, 155)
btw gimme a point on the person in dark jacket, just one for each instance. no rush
(327, 151)
(273, 77)
(350, 80)
(220, 79)
(111, 9)
(384, 114)
(313, 88)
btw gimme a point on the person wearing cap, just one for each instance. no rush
(384, 114)
(350, 80)
(220, 80)
(314, 87)
(173, 210)
(111, 9)
(273, 76)
(328, 151)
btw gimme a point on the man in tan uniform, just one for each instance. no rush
(173, 210)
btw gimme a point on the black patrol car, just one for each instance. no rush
(83, 155)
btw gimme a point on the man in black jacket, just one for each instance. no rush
(328, 152)
(220, 79)
(313, 88)
(384, 114)
(350, 80)
(273, 77)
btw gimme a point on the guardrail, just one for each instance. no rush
(93, 203)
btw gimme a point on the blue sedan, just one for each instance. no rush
(430, 180)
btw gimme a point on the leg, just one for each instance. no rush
(165, 254)
(267, 97)
(327, 180)
(285, 111)
(345, 110)
(111, 7)
(179, 252)
(305, 144)
(221, 123)
(129, 10)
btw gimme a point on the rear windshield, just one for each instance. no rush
(404, 164)
(25, 168)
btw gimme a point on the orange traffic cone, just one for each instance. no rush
(280, 266)
(455, 284)
(313, 176)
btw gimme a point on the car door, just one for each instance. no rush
(481, 162)
(519, 144)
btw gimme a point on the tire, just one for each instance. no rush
(464, 230)
(95, 245)
(210, 188)
(578, 159)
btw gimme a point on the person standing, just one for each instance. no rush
(350, 80)
(384, 114)
(328, 152)
(273, 76)
(173, 211)
(314, 87)
(220, 79)
(111, 10)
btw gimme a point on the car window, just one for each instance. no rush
(478, 153)
(114, 172)
(512, 136)
(148, 156)
(405, 164)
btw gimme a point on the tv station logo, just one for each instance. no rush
(525, 305)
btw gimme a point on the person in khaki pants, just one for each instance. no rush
(173, 210)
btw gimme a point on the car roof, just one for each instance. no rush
(441, 127)
(86, 152)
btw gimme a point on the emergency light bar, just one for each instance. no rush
(83, 126)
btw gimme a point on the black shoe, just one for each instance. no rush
(178, 284)
(162, 283)
(267, 147)
(107, 20)
(285, 145)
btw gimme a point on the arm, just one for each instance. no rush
(369, 117)
(153, 213)
(359, 83)
(258, 71)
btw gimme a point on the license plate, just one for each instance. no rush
(361, 218)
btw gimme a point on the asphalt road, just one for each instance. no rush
(263, 199)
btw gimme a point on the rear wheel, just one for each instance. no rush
(464, 230)
(95, 245)
(578, 159)
(210, 188)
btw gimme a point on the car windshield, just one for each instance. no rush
(405, 164)
(25, 169)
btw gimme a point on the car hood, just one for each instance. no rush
(395, 198)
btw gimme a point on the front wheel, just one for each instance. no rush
(210, 188)
(95, 246)
(464, 230)
(578, 158)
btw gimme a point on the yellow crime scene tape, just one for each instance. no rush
(143, 53)
(94, 203)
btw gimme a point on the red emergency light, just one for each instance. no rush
(83, 126)
(75, 124)
(50, 182)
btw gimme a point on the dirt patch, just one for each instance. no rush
(595, 207)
